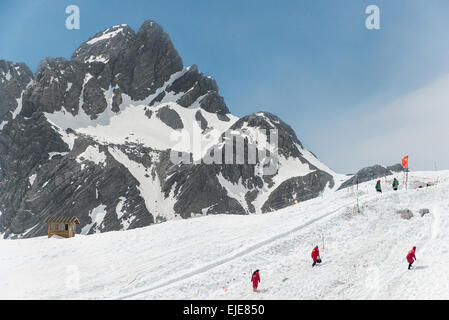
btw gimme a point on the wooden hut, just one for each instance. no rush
(62, 226)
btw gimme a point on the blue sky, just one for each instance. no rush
(313, 63)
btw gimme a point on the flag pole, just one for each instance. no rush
(405, 165)
(406, 179)
(357, 194)
(406, 183)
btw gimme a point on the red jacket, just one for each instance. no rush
(411, 255)
(315, 254)
(255, 279)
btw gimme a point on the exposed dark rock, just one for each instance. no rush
(366, 174)
(155, 61)
(106, 45)
(199, 118)
(13, 80)
(197, 187)
(396, 168)
(214, 103)
(406, 214)
(149, 113)
(297, 189)
(423, 212)
(170, 117)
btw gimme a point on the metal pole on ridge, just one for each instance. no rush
(405, 165)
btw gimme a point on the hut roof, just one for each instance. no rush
(62, 220)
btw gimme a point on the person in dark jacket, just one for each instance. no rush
(378, 186)
(395, 184)
(255, 279)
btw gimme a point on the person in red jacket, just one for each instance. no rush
(316, 256)
(255, 279)
(411, 257)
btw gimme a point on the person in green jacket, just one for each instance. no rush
(395, 184)
(378, 187)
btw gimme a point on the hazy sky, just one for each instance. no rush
(355, 97)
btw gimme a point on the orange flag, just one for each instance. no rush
(405, 162)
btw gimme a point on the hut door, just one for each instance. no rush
(66, 227)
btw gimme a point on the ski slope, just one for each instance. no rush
(211, 257)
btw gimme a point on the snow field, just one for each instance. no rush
(211, 257)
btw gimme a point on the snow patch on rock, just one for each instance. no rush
(93, 154)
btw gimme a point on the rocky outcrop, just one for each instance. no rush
(366, 174)
(170, 118)
(396, 168)
(406, 214)
(14, 78)
(296, 190)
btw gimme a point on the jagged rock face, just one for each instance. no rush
(240, 187)
(110, 44)
(204, 90)
(366, 174)
(117, 59)
(13, 80)
(199, 191)
(287, 141)
(58, 83)
(297, 189)
(92, 137)
(156, 60)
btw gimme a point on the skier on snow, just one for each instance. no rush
(395, 184)
(255, 279)
(410, 257)
(378, 186)
(316, 256)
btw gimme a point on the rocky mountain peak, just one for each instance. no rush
(151, 28)
(266, 121)
(105, 45)
(93, 137)
(14, 74)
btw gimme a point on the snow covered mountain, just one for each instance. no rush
(92, 137)
(212, 257)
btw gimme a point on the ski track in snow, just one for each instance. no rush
(215, 264)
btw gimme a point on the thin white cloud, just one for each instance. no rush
(416, 124)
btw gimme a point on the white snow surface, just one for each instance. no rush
(149, 186)
(32, 178)
(107, 34)
(97, 216)
(93, 154)
(8, 75)
(212, 256)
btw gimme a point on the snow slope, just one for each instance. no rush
(211, 257)
(132, 125)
